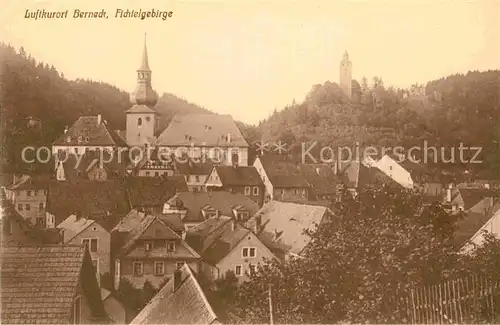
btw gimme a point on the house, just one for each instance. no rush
(88, 133)
(90, 233)
(28, 194)
(237, 179)
(196, 207)
(322, 180)
(87, 199)
(225, 245)
(52, 284)
(282, 179)
(205, 136)
(146, 249)
(91, 165)
(114, 308)
(155, 165)
(180, 301)
(151, 193)
(390, 166)
(195, 173)
(280, 225)
(477, 226)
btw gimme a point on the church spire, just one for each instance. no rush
(145, 63)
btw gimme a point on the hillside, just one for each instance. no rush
(37, 102)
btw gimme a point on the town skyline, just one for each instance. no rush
(195, 55)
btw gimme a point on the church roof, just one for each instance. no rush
(141, 109)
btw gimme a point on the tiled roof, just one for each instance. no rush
(321, 178)
(186, 305)
(472, 196)
(38, 284)
(87, 199)
(283, 173)
(202, 129)
(218, 200)
(289, 219)
(86, 132)
(76, 168)
(239, 176)
(224, 243)
(153, 191)
(357, 174)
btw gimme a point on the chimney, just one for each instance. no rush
(177, 279)
(448, 194)
(217, 213)
(229, 138)
(65, 129)
(487, 186)
(99, 119)
(233, 225)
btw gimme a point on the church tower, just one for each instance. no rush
(346, 75)
(142, 118)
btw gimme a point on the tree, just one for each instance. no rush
(376, 246)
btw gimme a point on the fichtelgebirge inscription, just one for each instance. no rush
(101, 14)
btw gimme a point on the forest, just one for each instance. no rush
(37, 102)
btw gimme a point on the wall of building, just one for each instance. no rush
(80, 149)
(291, 194)
(221, 154)
(268, 187)
(138, 135)
(196, 182)
(154, 172)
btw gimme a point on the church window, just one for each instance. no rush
(148, 119)
(139, 121)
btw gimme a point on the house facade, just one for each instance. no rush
(29, 197)
(151, 251)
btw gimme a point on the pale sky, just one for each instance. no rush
(246, 58)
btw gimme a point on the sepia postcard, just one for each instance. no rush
(250, 162)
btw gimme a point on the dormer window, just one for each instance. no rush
(247, 190)
(255, 190)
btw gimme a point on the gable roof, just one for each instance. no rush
(87, 132)
(289, 220)
(356, 174)
(472, 222)
(238, 176)
(202, 129)
(223, 201)
(186, 305)
(320, 177)
(78, 167)
(472, 196)
(30, 182)
(283, 172)
(153, 191)
(39, 283)
(72, 226)
(86, 198)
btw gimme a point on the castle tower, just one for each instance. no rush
(142, 119)
(346, 75)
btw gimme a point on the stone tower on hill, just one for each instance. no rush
(142, 118)
(346, 75)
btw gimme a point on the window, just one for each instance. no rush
(93, 245)
(76, 151)
(20, 207)
(40, 206)
(85, 242)
(242, 216)
(148, 246)
(36, 192)
(237, 270)
(28, 207)
(197, 178)
(253, 269)
(249, 252)
(296, 191)
(39, 221)
(138, 269)
(255, 190)
(258, 221)
(77, 310)
(157, 174)
(170, 246)
(179, 264)
(159, 268)
(247, 190)
(147, 173)
(139, 121)
(28, 193)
